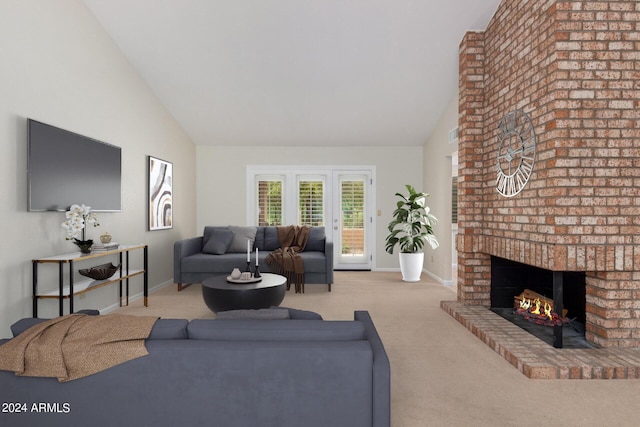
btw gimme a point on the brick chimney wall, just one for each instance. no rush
(574, 68)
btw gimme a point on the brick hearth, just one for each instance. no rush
(537, 359)
(573, 68)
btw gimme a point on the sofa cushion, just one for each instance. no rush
(208, 231)
(218, 242)
(314, 262)
(316, 239)
(169, 329)
(259, 242)
(270, 313)
(23, 324)
(271, 242)
(240, 237)
(275, 330)
(263, 313)
(297, 314)
(214, 264)
(163, 329)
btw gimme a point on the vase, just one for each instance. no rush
(411, 266)
(84, 245)
(236, 273)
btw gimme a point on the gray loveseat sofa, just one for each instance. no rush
(221, 249)
(222, 373)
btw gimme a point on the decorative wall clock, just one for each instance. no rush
(516, 153)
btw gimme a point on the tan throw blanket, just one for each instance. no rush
(286, 260)
(76, 345)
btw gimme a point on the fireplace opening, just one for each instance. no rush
(510, 280)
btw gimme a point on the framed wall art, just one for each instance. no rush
(160, 179)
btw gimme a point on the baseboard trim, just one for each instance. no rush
(152, 289)
(428, 273)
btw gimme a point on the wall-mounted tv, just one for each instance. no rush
(65, 168)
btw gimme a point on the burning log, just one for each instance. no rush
(530, 296)
(538, 309)
(551, 319)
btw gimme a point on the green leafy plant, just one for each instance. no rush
(412, 224)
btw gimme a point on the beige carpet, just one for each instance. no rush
(441, 374)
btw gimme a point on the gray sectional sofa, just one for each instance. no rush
(222, 248)
(241, 372)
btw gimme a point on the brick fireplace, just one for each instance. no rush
(574, 68)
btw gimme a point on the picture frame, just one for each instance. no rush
(160, 193)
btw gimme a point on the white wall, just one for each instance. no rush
(437, 182)
(221, 176)
(59, 67)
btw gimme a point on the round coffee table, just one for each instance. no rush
(220, 295)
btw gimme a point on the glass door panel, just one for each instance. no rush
(351, 221)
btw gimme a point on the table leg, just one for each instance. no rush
(127, 284)
(146, 276)
(60, 289)
(35, 289)
(70, 288)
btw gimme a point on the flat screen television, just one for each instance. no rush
(65, 168)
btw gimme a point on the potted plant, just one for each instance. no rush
(78, 217)
(411, 227)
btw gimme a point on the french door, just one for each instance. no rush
(341, 200)
(352, 220)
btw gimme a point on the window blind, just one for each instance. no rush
(353, 209)
(311, 202)
(269, 201)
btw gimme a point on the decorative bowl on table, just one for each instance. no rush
(100, 272)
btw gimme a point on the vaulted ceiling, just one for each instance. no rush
(297, 72)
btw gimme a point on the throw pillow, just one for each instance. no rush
(218, 242)
(240, 237)
(297, 314)
(260, 314)
(316, 239)
(271, 242)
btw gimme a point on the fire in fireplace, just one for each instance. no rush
(538, 309)
(525, 295)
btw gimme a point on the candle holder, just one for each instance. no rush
(248, 267)
(257, 272)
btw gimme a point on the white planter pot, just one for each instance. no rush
(411, 266)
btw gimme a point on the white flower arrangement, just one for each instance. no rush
(78, 216)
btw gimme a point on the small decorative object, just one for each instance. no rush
(84, 245)
(100, 272)
(248, 269)
(257, 274)
(412, 226)
(78, 216)
(105, 238)
(241, 281)
(236, 273)
(245, 276)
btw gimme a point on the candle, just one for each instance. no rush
(256, 257)
(248, 250)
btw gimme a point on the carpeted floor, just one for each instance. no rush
(441, 374)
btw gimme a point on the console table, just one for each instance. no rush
(86, 285)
